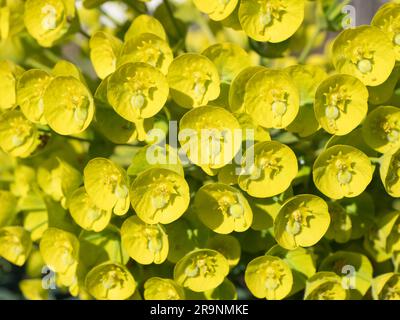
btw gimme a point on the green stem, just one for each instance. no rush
(33, 63)
(171, 15)
(336, 10)
(84, 33)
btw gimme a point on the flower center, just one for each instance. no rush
(364, 65)
(393, 135)
(279, 108)
(396, 39)
(121, 191)
(332, 112)
(138, 100)
(236, 210)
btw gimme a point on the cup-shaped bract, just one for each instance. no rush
(269, 277)
(50, 20)
(86, 214)
(216, 10)
(271, 20)
(307, 78)
(301, 222)
(272, 99)
(30, 91)
(110, 281)
(237, 89)
(342, 171)
(268, 169)
(9, 74)
(366, 53)
(137, 91)
(223, 208)
(381, 129)
(225, 291)
(104, 51)
(107, 185)
(159, 195)
(229, 58)
(341, 103)
(193, 80)
(18, 136)
(32, 289)
(325, 286)
(8, 207)
(210, 136)
(157, 288)
(201, 270)
(388, 20)
(340, 228)
(390, 173)
(145, 24)
(147, 48)
(60, 252)
(228, 245)
(386, 286)
(145, 243)
(68, 105)
(15, 244)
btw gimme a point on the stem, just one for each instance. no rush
(332, 13)
(67, 137)
(33, 63)
(84, 33)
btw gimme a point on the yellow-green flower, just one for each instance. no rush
(390, 173)
(342, 171)
(9, 74)
(386, 286)
(201, 270)
(159, 195)
(193, 80)
(225, 291)
(340, 228)
(268, 169)
(325, 286)
(217, 10)
(381, 129)
(157, 288)
(268, 277)
(388, 20)
(301, 222)
(272, 99)
(223, 208)
(271, 20)
(32, 289)
(341, 103)
(110, 281)
(15, 244)
(366, 53)
(228, 245)
(145, 243)
(145, 24)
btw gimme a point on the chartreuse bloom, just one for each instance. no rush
(86, 214)
(58, 178)
(354, 268)
(137, 91)
(366, 53)
(60, 252)
(223, 208)
(272, 99)
(50, 20)
(11, 18)
(157, 288)
(340, 228)
(388, 20)
(64, 68)
(307, 78)
(104, 52)
(110, 281)
(9, 74)
(193, 80)
(145, 243)
(147, 48)
(32, 289)
(342, 171)
(301, 222)
(271, 20)
(268, 169)
(15, 244)
(216, 10)
(237, 88)
(8, 207)
(209, 136)
(68, 105)
(225, 291)
(390, 173)
(229, 58)
(269, 277)
(381, 129)
(341, 103)
(386, 286)
(159, 195)
(325, 286)
(383, 93)
(18, 136)
(302, 263)
(145, 24)
(30, 91)
(228, 245)
(201, 270)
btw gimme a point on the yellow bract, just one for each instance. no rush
(162, 289)
(325, 286)
(217, 10)
(145, 24)
(15, 244)
(9, 74)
